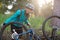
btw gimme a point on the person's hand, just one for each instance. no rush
(3, 24)
(29, 25)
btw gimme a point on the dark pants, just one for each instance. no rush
(17, 29)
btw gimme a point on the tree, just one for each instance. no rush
(56, 11)
(15, 3)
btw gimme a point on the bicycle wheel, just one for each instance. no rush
(43, 27)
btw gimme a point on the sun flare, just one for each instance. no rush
(43, 2)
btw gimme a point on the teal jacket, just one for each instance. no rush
(14, 18)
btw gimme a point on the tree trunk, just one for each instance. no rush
(56, 11)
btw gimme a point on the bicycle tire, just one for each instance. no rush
(43, 26)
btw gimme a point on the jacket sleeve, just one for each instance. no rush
(27, 22)
(17, 13)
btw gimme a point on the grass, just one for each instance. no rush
(36, 22)
(3, 17)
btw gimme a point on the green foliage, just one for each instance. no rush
(3, 17)
(36, 22)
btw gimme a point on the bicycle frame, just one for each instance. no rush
(30, 36)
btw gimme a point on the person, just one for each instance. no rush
(21, 15)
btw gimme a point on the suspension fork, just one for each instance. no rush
(54, 30)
